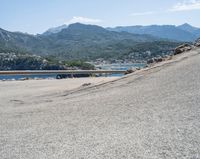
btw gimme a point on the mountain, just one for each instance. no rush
(90, 42)
(55, 30)
(193, 30)
(76, 41)
(188, 27)
(86, 42)
(19, 41)
(184, 32)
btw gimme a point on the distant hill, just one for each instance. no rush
(16, 61)
(86, 42)
(183, 32)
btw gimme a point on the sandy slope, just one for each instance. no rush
(153, 113)
(13, 91)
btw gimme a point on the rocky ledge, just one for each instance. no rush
(178, 50)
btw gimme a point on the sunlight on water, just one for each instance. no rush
(53, 76)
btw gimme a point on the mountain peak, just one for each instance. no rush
(55, 29)
(77, 25)
(186, 24)
(187, 27)
(86, 27)
(80, 25)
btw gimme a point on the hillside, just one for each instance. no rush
(85, 42)
(19, 59)
(13, 61)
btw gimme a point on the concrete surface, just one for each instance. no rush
(153, 113)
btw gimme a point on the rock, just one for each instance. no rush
(86, 84)
(129, 71)
(197, 43)
(155, 60)
(158, 59)
(150, 61)
(182, 48)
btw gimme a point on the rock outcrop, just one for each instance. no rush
(197, 43)
(155, 60)
(182, 48)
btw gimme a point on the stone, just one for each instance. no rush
(197, 43)
(182, 48)
(129, 71)
(150, 61)
(86, 84)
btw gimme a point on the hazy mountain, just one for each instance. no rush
(188, 27)
(193, 30)
(79, 41)
(184, 32)
(55, 30)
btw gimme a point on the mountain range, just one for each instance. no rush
(183, 32)
(89, 42)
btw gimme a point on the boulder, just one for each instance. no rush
(150, 61)
(197, 43)
(86, 84)
(155, 60)
(182, 48)
(129, 71)
(158, 59)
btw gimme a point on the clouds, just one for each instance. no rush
(186, 6)
(84, 20)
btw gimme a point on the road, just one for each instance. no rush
(153, 113)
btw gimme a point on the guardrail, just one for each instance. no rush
(36, 72)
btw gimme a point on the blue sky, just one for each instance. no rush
(36, 16)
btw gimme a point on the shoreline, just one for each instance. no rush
(156, 62)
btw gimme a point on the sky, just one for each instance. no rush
(36, 16)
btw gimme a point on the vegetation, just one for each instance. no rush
(148, 50)
(80, 64)
(12, 61)
(80, 42)
(77, 43)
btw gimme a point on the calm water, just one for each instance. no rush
(17, 77)
(120, 67)
(46, 76)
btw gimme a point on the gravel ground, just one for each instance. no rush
(153, 113)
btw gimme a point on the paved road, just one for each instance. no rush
(151, 114)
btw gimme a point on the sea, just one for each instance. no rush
(53, 76)
(121, 66)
